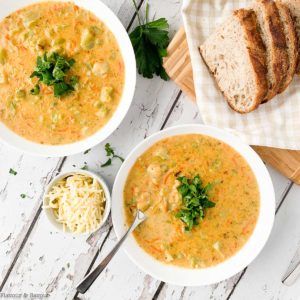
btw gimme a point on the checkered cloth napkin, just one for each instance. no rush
(275, 124)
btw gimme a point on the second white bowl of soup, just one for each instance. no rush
(67, 75)
(209, 201)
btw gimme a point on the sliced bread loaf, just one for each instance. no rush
(272, 33)
(294, 7)
(291, 41)
(236, 56)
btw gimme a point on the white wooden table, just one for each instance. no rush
(36, 259)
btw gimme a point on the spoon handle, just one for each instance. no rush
(92, 276)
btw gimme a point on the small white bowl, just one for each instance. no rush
(197, 277)
(113, 23)
(49, 212)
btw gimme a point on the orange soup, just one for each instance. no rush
(74, 33)
(152, 186)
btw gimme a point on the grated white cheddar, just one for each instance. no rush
(78, 203)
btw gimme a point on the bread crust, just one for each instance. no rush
(292, 5)
(293, 44)
(278, 51)
(257, 54)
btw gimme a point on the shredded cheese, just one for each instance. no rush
(78, 203)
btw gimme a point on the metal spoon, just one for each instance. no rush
(91, 277)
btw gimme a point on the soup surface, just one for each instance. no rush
(72, 32)
(151, 186)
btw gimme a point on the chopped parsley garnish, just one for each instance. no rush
(23, 196)
(35, 90)
(87, 151)
(150, 41)
(85, 166)
(13, 172)
(195, 200)
(107, 163)
(52, 70)
(111, 154)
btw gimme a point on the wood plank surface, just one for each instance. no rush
(34, 258)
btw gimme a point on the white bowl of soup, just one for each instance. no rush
(67, 75)
(209, 202)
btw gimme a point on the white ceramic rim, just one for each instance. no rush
(113, 23)
(49, 213)
(197, 277)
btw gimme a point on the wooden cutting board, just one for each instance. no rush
(179, 68)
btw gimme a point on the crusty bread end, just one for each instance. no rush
(236, 56)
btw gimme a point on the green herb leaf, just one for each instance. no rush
(74, 80)
(107, 163)
(23, 196)
(61, 88)
(87, 151)
(150, 41)
(195, 200)
(85, 167)
(35, 90)
(111, 154)
(13, 172)
(58, 73)
(109, 150)
(51, 70)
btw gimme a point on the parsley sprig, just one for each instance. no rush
(195, 200)
(52, 70)
(13, 172)
(150, 41)
(111, 154)
(85, 166)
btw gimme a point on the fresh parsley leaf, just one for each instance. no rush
(13, 172)
(111, 154)
(58, 73)
(71, 62)
(195, 200)
(74, 80)
(109, 150)
(150, 41)
(107, 163)
(85, 167)
(87, 151)
(52, 70)
(61, 88)
(35, 90)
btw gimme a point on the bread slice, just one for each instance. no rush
(294, 7)
(236, 56)
(291, 41)
(272, 33)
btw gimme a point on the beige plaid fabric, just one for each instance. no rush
(275, 124)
